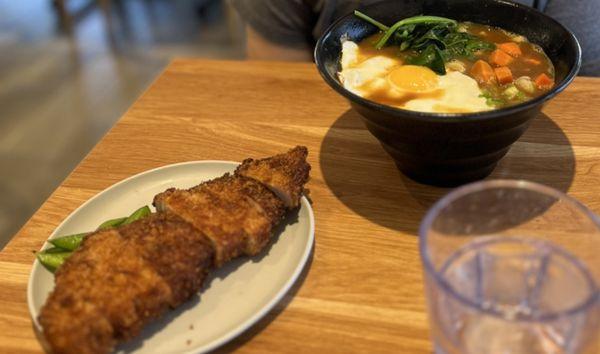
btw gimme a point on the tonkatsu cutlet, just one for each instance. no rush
(122, 278)
(237, 212)
(285, 174)
(229, 215)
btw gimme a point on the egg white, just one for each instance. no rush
(360, 76)
(458, 92)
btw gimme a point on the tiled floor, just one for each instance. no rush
(59, 92)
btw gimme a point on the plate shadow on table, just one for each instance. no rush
(221, 273)
(365, 179)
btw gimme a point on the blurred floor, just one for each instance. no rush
(60, 92)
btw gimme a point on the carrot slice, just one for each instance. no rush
(543, 82)
(500, 58)
(504, 75)
(482, 72)
(511, 48)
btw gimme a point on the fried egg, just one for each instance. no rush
(387, 80)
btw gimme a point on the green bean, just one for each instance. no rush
(53, 258)
(70, 242)
(112, 223)
(138, 214)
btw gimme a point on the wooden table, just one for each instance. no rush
(362, 291)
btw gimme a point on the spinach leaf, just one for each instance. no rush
(375, 23)
(432, 58)
(460, 44)
(434, 39)
(417, 20)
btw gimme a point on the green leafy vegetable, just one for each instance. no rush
(435, 40)
(408, 25)
(377, 24)
(461, 44)
(432, 58)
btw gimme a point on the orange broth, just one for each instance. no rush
(525, 67)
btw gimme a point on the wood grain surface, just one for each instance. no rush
(362, 291)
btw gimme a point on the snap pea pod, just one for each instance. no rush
(70, 242)
(112, 223)
(53, 258)
(138, 214)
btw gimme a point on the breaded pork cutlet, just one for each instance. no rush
(285, 174)
(122, 278)
(103, 293)
(229, 211)
(177, 251)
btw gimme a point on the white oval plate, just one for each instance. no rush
(233, 298)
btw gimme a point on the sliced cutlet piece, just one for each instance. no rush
(176, 250)
(227, 216)
(74, 326)
(105, 292)
(257, 192)
(265, 203)
(285, 174)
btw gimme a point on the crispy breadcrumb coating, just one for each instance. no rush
(285, 174)
(122, 278)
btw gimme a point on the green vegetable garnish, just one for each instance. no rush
(138, 214)
(69, 243)
(112, 223)
(520, 97)
(377, 24)
(435, 40)
(53, 258)
(408, 25)
(461, 44)
(490, 100)
(432, 58)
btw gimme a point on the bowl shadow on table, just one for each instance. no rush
(365, 179)
(222, 273)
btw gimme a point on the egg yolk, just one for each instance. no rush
(413, 78)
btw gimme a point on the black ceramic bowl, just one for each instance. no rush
(450, 149)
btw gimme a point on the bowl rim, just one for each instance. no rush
(450, 117)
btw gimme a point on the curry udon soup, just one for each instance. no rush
(435, 64)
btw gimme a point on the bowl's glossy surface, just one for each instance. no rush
(450, 149)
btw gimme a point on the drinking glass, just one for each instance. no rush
(511, 267)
